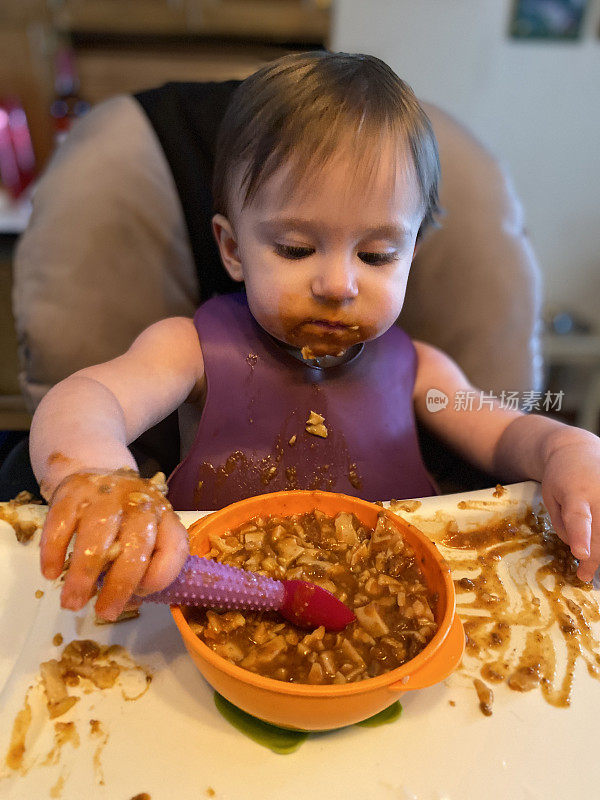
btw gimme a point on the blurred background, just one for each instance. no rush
(523, 75)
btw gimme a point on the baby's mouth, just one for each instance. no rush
(321, 337)
(329, 327)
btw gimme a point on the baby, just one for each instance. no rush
(325, 181)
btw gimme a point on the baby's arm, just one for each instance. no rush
(516, 446)
(79, 453)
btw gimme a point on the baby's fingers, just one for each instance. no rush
(97, 531)
(577, 520)
(170, 553)
(555, 516)
(587, 569)
(59, 527)
(136, 540)
(588, 566)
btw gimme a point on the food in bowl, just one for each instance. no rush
(313, 707)
(373, 570)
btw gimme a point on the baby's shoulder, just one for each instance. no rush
(174, 339)
(428, 356)
(171, 329)
(436, 369)
(173, 324)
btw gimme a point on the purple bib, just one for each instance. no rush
(252, 436)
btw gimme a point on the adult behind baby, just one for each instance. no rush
(326, 178)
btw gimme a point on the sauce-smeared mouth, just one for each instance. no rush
(327, 338)
(324, 336)
(329, 326)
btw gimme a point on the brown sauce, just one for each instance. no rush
(373, 571)
(16, 748)
(57, 789)
(98, 732)
(522, 578)
(91, 666)
(354, 477)
(485, 695)
(64, 733)
(271, 470)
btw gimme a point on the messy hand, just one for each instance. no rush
(571, 493)
(122, 524)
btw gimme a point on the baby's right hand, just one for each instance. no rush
(122, 524)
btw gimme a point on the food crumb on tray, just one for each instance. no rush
(124, 616)
(408, 506)
(84, 664)
(24, 520)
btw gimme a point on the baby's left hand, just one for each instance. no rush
(571, 493)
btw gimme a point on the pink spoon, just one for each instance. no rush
(204, 582)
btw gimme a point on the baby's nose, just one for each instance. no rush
(335, 280)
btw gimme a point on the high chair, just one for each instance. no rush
(120, 237)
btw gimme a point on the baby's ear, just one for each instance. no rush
(228, 246)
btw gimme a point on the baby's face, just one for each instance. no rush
(326, 264)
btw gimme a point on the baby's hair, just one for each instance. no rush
(301, 107)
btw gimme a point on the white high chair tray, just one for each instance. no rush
(172, 742)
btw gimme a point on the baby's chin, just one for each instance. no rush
(320, 349)
(314, 348)
(311, 347)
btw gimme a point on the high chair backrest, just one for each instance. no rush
(120, 237)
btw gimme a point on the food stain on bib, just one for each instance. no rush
(294, 461)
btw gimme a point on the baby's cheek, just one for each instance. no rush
(277, 314)
(383, 314)
(394, 300)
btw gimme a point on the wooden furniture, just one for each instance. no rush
(13, 413)
(266, 20)
(124, 46)
(130, 45)
(26, 66)
(582, 352)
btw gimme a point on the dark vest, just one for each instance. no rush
(186, 118)
(252, 436)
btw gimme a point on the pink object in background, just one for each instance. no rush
(17, 159)
(68, 105)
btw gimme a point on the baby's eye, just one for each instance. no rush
(292, 251)
(376, 259)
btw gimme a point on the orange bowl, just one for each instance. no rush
(314, 708)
